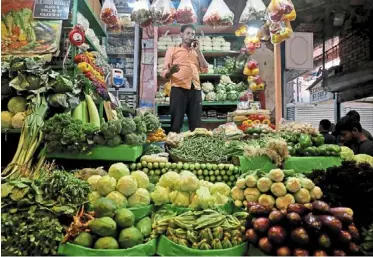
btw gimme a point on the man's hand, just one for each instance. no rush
(195, 45)
(172, 69)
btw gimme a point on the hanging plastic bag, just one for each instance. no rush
(254, 10)
(256, 83)
(291, 16)
(141, 13)
(109, 14)
(280, 31)
(252, 40)
(172, 17)
(251, 67)
(185, 13)
(160, 11)
(218, 15)
(279, 9)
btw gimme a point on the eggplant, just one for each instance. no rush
(341, 210)
(312, 223)
(320, 207)
(294, 218)
(261, 225)
(324, 241)
(276, 217)
(300, 236)
(337, 252)
(331, 223)
(354, 232)
(283, 251)
(353, 248)
(300, 252)
(297, 208)
(345, 218)
(277, 234)
(344, 237)
(250, 204)
(320, 253)
(258, 211)
(308, 206)
(251, 236)
(265, 245)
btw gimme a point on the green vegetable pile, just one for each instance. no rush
(154, 149)
(62, 133)
(200, 148)
(203, 230)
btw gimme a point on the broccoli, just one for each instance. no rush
(151, 121)
(134, 139)
(128, 126)
(99, 140)
(140, 124)
(111, 128)
(114, 141)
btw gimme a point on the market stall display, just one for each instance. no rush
(185, 13)
(141, 13)
(218, 14)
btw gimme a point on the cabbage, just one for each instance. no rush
(221, 96)
(233, 95)
(160, 195)
(230, 87)
(220, 188)
(92, 181)
(276, 175)
(141, 178)
(346, 153)
(118, 170)
(188, 182)
(140, 198)
(127, 185)
(363, 158)
(6, 119)
(170, 180)
(17, 104)
(119, 199)
(179, 199)
(106, 185)
(220, 87)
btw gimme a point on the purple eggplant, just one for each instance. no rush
(258, 210)
(251, 236)
(353, 248)
(320, 207)
(345, 218)
(341, 210)
(324, 241)
(265, 245)
(300, 236)
(261, 225)
(311, 222)
(320, 253)
(337, 252)
(354, 232)
(300, 252)
(298, 208)
(283, 251)
(294, 218)
(331, 223)
(276, 217)
(344, 237)
(277, 234)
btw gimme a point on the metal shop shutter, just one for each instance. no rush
(366, 116)
(313, 115)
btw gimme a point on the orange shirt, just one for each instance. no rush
(190, 68)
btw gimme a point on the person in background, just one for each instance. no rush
(356, 115)
(324, 128)
(182, 67)
(351, 134)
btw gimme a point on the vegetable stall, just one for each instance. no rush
(245, 187)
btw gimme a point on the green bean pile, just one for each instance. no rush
(200, 148)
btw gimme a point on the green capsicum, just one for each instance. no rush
(333, 149)
(305, 141)
(291, 150)
(309, 151)
(297, 149)
(322, 149)
(318, 140)
(250, 131)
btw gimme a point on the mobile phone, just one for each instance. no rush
(194, 43)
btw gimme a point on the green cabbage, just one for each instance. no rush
(363, 158)
(140, 198)
(346, 153)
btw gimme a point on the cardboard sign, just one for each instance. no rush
(51, 9)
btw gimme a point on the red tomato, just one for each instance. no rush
(261, 117)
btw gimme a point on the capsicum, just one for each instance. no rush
(318, 140)
(291, 150)
(248, 123)
(266, 121)
(305, 141)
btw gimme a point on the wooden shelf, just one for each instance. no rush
(205, 103)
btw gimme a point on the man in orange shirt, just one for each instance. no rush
(182, 67)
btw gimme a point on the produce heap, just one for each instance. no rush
(226, 90)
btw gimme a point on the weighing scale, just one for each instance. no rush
(117, 79)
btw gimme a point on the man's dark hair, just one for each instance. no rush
(326, 124)
(184, 27)
(354, 114)
(348, 123)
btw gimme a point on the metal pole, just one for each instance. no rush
(278, 85)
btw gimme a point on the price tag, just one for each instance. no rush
(51, 9)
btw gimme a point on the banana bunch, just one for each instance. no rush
(205, 230)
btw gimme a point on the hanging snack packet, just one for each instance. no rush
(218, 15)
(254, 10)
(185, 13)
(141, 13)
(280, 31)
(279, 9)
(109, 14)
(160, 11)
(292, 15)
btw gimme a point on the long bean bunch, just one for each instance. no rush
(201, 148)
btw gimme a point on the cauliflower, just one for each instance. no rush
(207, 87)
(141, 178)
(276, 175)
(17, 104)
(293, 184)
(170, 179)
(6, 119)
(307, 183)
(211, 96)
(316, 193)
(251, 194)
(92, 181)
(180, 199)
(128, 126)
(346, 153)
(202, 198)
(188, 182)
(237, 194)
(118, 170)
(220, 188)
(140, 198)
(251, 180)
(160, 195)
(266, 201)
(264, 184)
(283, 201)
(278, 189)
(302, 196)
(106, 185)
(127, 185)
(219, 199)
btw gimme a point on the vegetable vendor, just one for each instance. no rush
(351, 135)
(324, 128)
(182, 66)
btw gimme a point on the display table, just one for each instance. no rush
(308, 164)
(103, 153)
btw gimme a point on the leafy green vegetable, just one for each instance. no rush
(151, 122)
(135, 139)
(128, 126)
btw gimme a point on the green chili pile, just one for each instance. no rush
(200, 148)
